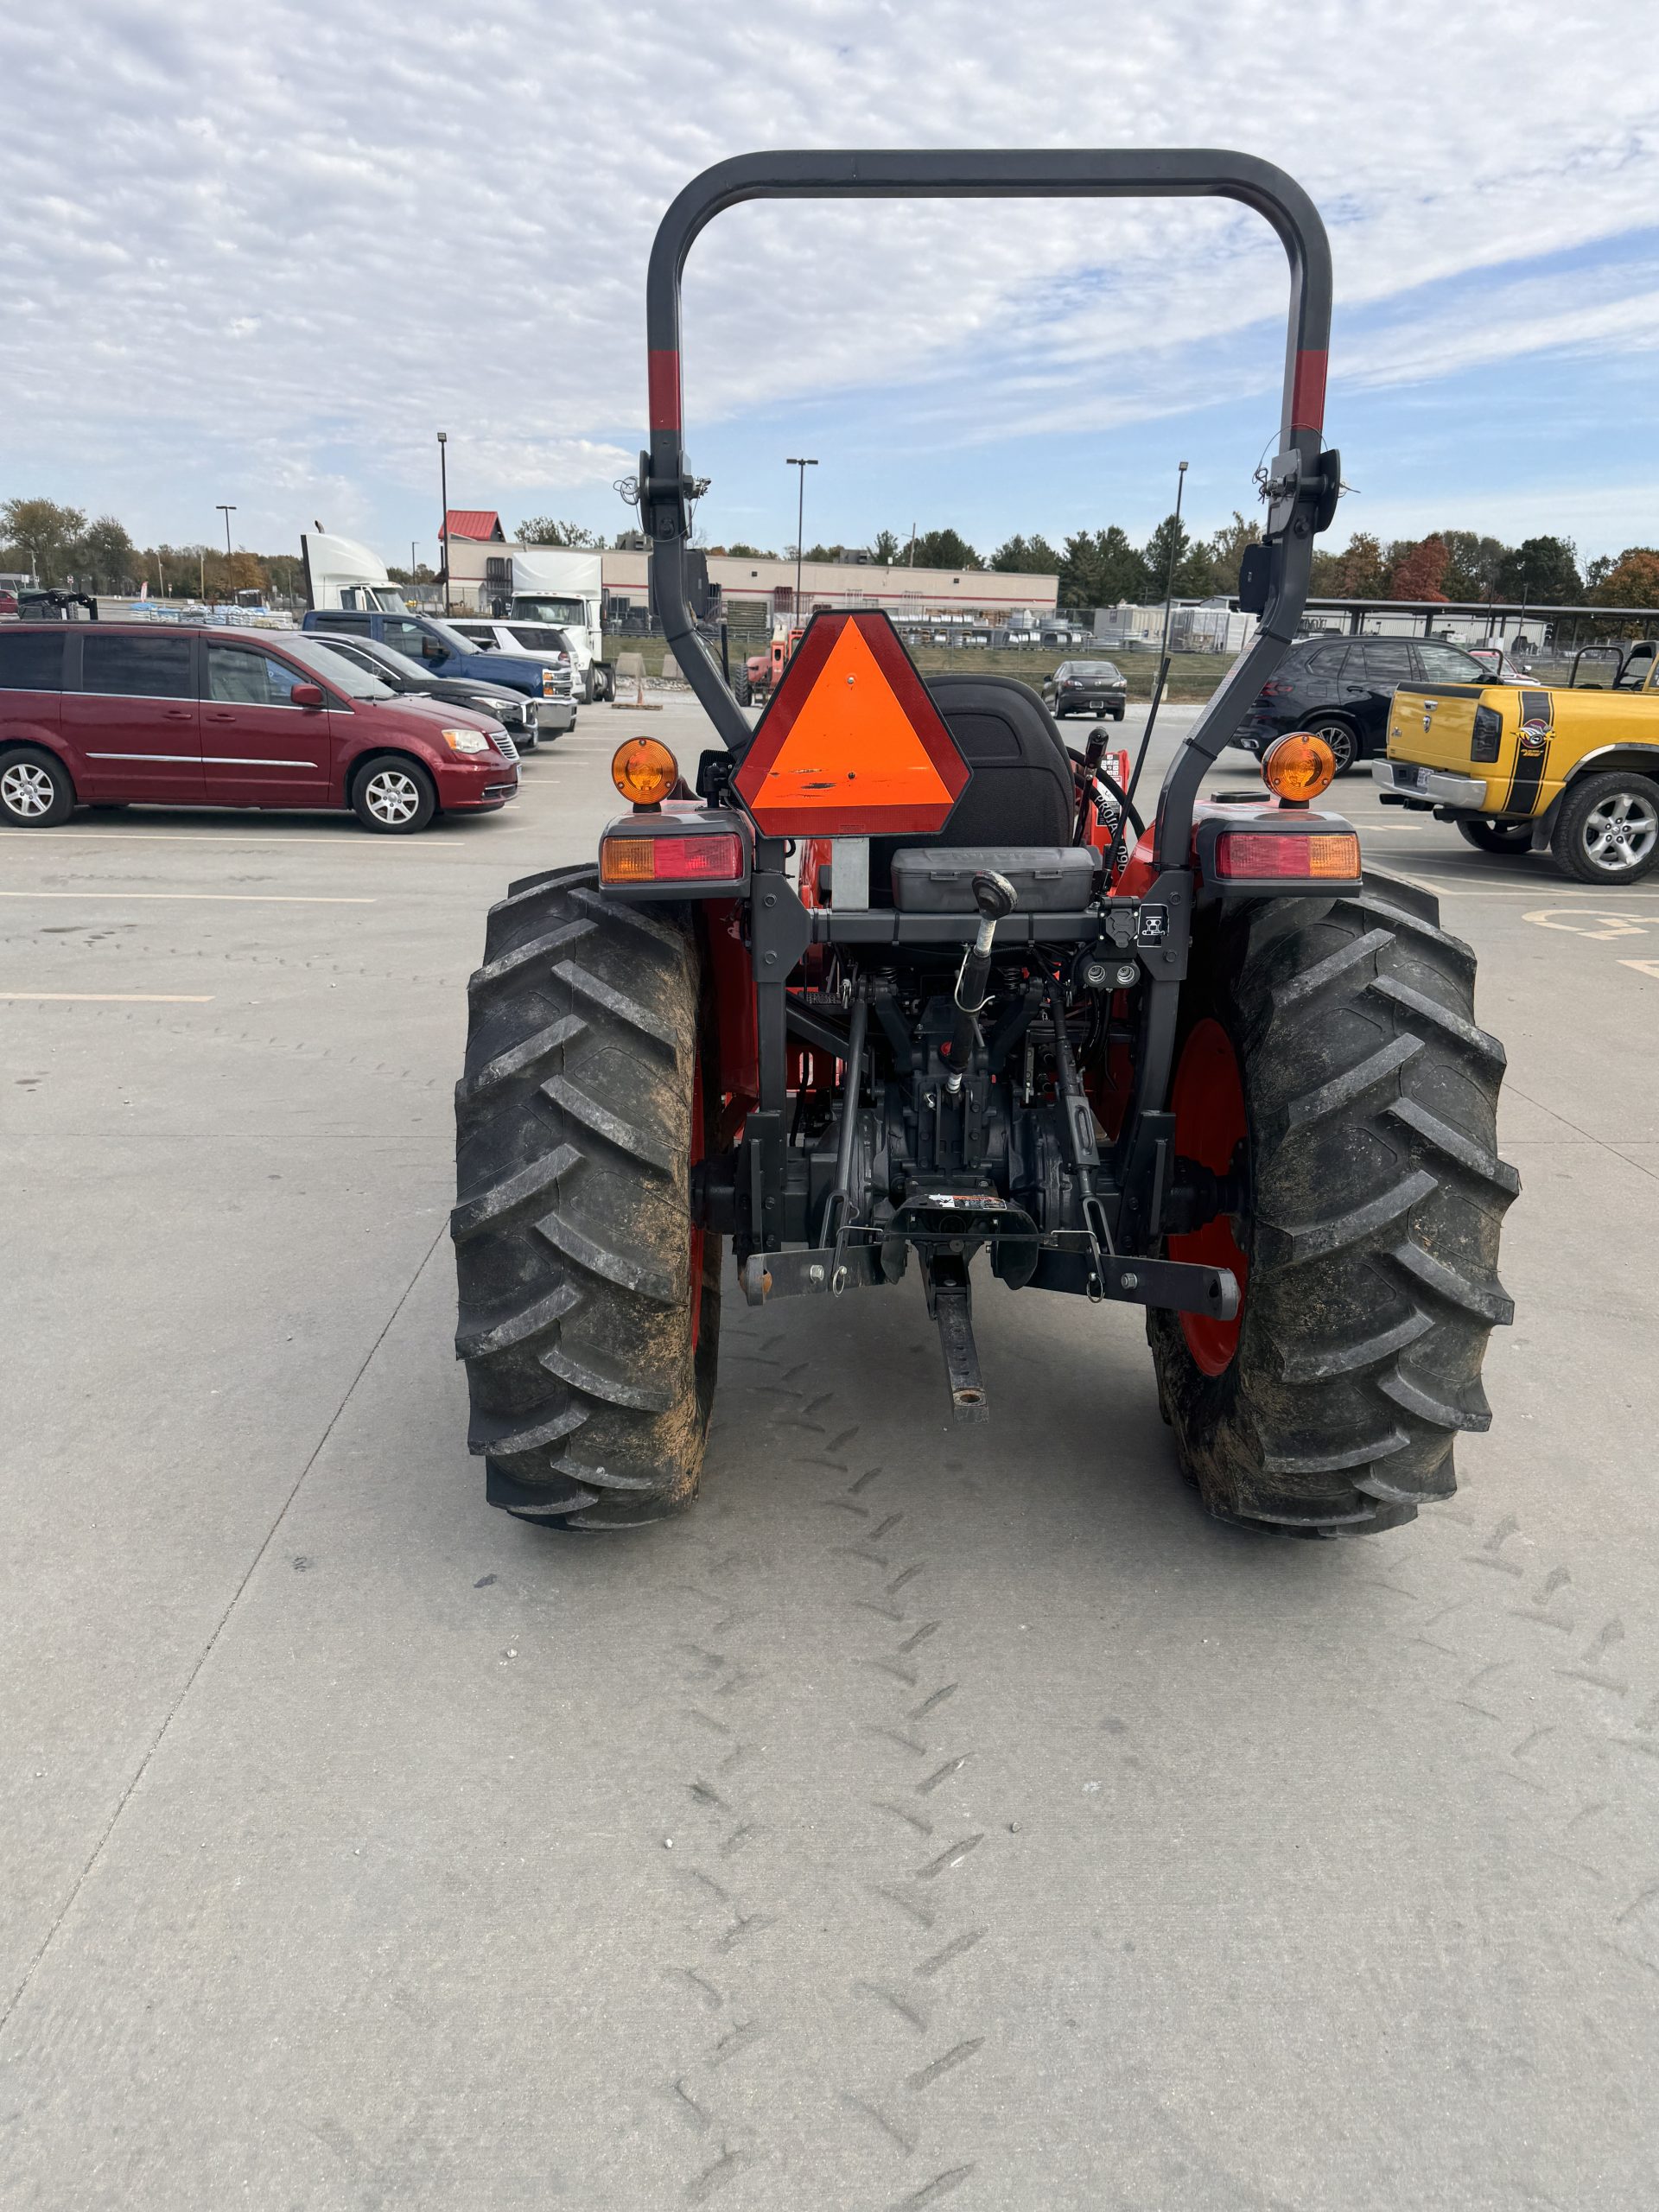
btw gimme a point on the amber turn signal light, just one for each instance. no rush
(1298, 768)
(645, 770)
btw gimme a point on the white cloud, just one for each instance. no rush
(278, 231)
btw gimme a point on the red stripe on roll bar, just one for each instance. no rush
(664, 378)
(1307, 393)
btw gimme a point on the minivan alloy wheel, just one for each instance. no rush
(390, 796)
(27, 790)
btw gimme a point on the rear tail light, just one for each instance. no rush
(1488, 735)
(1277, 689)
(1254, 855)
(713, 857)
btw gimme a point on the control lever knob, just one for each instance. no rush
(993, 895)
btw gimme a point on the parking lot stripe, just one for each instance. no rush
(1442, 889)
(118, 998)
(218, 898)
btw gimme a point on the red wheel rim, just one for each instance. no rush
(1210, 1125)
(699, 1235)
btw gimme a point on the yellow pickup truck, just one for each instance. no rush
(1568, 768)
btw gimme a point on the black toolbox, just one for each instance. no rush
(1047, 879)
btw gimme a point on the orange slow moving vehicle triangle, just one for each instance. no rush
(851, 743)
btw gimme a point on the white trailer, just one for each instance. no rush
(561, 585)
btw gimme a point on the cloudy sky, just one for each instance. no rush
(262, 253)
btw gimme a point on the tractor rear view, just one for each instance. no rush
(908, 984)
(761, 673)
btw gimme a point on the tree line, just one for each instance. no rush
(1098, 567)
(1105, 568)
(59, 545)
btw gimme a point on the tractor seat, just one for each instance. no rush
(1021, 792)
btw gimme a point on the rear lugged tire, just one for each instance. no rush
(1370, 1230)
(589, 1312)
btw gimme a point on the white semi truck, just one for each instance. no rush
(340, 573)
(561, 585)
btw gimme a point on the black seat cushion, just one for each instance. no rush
(1021, 792)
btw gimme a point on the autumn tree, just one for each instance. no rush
(286, 574)
(1418, 570)
(1633, 580)
(1359, 571)
(43, 532)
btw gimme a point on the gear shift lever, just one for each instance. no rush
(995, 898)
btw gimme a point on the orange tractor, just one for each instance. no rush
(904, 983)
(761, 673)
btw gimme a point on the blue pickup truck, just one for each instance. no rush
(440, 648)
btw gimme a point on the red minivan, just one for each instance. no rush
(183, 714)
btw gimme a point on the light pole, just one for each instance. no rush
(227, 511)
(443, 494)
(800, 522)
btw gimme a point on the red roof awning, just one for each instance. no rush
(481, 523)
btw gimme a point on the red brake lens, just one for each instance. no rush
(1255, 856)
(713, 857)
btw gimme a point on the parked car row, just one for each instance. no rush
(110, 713)
(442, 648)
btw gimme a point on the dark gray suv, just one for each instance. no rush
(1341, 688)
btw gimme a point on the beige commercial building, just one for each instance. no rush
(480, 563)
(982, 595)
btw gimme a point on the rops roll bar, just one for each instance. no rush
(1302, 482)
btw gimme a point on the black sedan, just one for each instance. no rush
(1087, 687)
(526, 721)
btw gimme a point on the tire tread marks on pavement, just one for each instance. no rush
(903, 1650)
(713, 1829)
